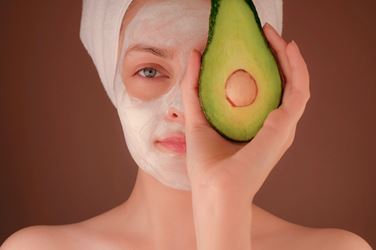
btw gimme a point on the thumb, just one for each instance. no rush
(194, 117)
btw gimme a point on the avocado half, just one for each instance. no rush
(236, 43)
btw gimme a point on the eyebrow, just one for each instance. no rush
(164, 53)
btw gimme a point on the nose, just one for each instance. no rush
(175, 115)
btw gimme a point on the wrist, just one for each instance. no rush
(222, 219)
(220, 201)
(221, 193)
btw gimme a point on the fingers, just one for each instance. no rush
(292, 65)
(204, 144)
(297, 92)
(194, 117)
(279, 45)
(278, 130)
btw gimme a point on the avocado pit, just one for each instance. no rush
(241, 89)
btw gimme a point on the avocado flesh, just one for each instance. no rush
(236, 42)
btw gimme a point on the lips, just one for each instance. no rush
(175, 143)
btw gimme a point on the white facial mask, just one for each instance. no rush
(174, 24)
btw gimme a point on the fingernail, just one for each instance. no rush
(294, 45)
(197, 51)
(270, 27)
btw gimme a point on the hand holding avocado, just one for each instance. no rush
(234, 98)
(241, 168)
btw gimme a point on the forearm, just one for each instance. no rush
(222, 221)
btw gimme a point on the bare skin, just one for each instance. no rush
(161, 218)
(134, 226)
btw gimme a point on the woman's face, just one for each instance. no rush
(155, 43)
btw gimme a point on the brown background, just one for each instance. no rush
(62, 154)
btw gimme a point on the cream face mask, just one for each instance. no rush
(148, 84)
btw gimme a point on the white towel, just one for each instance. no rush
(100, 29)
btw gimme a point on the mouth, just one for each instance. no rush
(173, 143)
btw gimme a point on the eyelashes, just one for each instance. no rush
(148, 72)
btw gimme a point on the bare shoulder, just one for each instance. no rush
(282, 234)
(33, 237)
(43, 237)
(96, 233)
(337, 239)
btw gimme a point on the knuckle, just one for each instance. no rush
(276, 120)
(280, 49)
(270, 125)
(308, 97)
(305, 72)
(301, 96)
(291, 138)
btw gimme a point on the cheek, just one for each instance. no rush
(144, 91)
(146, 88)
(139, 122)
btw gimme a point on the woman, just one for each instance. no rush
(194, 189)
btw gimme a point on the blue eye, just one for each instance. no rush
(148, 72)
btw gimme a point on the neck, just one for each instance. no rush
(165, 213)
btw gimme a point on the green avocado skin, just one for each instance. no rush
(218, 114)
(213, 15)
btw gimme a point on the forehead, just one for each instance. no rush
(136, 5)
(147, 19)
